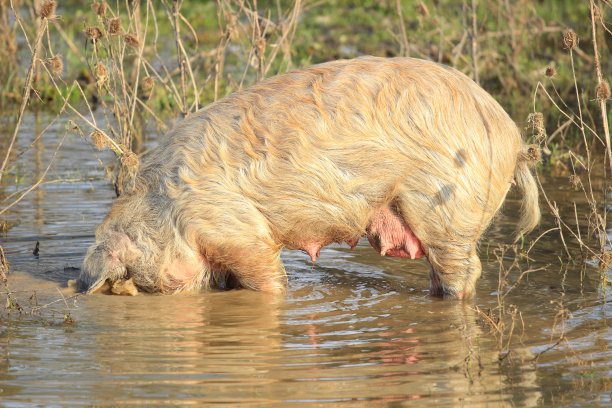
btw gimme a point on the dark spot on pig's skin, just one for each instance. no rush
(445, 194)
(359, 116)
(460, 158)
(260, 137)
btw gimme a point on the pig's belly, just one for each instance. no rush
(387, 232)
(391, 236)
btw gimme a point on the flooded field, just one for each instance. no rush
(355, 329)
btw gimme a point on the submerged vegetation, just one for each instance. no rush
(121, 70)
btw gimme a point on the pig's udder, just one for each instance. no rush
(389, 234)
(313, 247)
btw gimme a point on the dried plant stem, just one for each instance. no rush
(284, 42)
(474, 37)
(114, 146)
(581, 123)
(561, 223)
(38, 182)
(137, 65)
(32, 143)
(176, 5)
(166, 81)
(196, 95)
(25, 97)
(64, 299)
(599, 226)
(160, 123)
(4, 266)
(569, 117)
(535, 241)
(405, 50)
(600, 80)
(70, 43)
(219, 65)
(18, 193)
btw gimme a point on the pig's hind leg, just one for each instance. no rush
(455, 266)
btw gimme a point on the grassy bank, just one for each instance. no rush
(505, 46)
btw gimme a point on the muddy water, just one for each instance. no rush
(353, 330)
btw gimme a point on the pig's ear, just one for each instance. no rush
(105, 261)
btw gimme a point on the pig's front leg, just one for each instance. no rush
(239, 248)
(255, 265)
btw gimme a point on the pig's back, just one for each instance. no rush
(333, 141)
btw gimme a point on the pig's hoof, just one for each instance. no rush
(454, 296)
(437, 290)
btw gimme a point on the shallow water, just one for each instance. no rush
(355, 329)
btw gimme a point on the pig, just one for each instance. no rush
(412, 154)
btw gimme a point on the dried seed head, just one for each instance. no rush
(56, 65)
(534, 153)
(531, 154)
(47, 9)
(129, 160)
(94, 33)
(101, 73)
(146, 85)
(99, 140)
(71, 126)
(536, 120)
(602, 92)
(114, 26)
(570, 40)
(422, 9)
(551, 71)
(574, 180)
(99, 8)
(4, 226)
(131, 40)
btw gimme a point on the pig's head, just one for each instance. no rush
(108, 260)
(128, 246)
